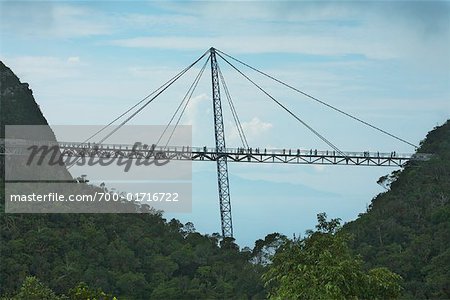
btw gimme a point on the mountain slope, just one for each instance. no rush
(132, 256)
(17, 105)
(407, 228)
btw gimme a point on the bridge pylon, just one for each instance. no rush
(222, 166)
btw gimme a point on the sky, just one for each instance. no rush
(387, 63)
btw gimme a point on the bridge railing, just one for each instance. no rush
(235, 151)
(303, 152)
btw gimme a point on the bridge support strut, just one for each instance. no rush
(222, 167)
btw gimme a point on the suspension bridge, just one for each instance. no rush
(220, 153)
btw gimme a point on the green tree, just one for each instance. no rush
(133, 256)
(33, 289)
(407, 228)
(82, 292)
(322, 266)
(265, 249)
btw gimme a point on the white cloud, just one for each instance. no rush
(252, 129)
(52, 20)
(73, 59)
(256, 127)
(384, 31)
(192, 109)
(148, 20)
(75, 21)
(326, 29)
(315, 45)
(264, 11)
(43, 68)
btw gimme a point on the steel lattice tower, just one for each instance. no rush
(222, 167)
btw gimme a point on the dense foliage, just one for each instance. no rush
(408, 227)
(321, 266)
(33, 289)
(141, 256)
(134, 256)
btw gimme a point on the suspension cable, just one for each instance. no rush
(187, 102)
(233, 110)
(285, 108)
(187, 97)
(158, 91)
(179, 106)
(151, 99)
(169, 82)
(320, 101)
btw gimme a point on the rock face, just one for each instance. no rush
(18, 107)
(17, 104)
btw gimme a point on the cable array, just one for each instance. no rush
(158, 92)
(233, 111)
(140, 105)
(285, 108)
(319, 101)
(188, 96)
